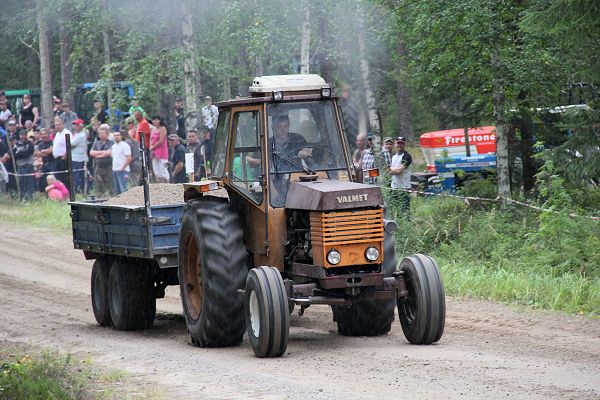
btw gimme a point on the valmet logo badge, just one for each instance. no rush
(352, 198)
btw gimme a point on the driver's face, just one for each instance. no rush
(282, 130)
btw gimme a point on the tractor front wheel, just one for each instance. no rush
(423, 311)
(267, 312)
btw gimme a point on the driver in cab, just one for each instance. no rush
(289, 150)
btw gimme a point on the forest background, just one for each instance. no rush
(414, 66)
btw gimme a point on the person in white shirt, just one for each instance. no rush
(59, 151)
(4, 113)
(400, 170)
(79, 155)
(210, 115)
(121, 157)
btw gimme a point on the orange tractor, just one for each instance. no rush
(283, 223)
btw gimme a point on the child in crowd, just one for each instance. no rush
(56, 190)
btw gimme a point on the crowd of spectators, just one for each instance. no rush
(105, 159)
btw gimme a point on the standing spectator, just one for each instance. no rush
(177, 159)
(57, 109)
(135, 166)
(55, 189)
(101, 152)
(29, 128)
(179, 117)
(400, 171)
(68, 116)
(361, 145)
(23, 152)
(59, 150)
(4, 113)
(159, 150)
(79, 155)
(203, 155)
(386, 152)
(121, 157)
(100, 115)
(143, 128)
(135, 106)
(3, 171)
(44, 151)
(192, 140)
(5, 100)
(28, 112)
(131, 129)
(210, 115)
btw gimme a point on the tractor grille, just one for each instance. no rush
(348, 227)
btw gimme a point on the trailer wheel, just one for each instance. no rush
(99, 290)
(212, 272)
(370, 317)
(131, 295)
(267, 312)
(423, 312)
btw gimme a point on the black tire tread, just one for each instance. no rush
(100, 271)
(220, 241)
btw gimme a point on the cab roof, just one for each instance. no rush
(287, 83)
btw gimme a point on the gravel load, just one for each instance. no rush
(161, 194)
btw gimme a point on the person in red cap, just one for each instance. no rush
(79, 155)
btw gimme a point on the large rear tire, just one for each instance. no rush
(212, 273)
(99, 290)
(423, 312)
(131, 295)
(370, 317)
(267, 312)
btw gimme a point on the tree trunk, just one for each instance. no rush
(66, 69)
(402, 93)
(45, 65)
(305, 43)
(365, 75)
(107, 62)
(226, 79)
(529, 168)
(190, 74)
(326, 45)
(498, 101)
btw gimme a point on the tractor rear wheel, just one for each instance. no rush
(267, 312)
(131, 295)
(212, 273)
(423, 312)
(99, 291)
(370, 317)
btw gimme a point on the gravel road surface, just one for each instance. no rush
(488, 351)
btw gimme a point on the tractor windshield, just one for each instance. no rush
(304, 138)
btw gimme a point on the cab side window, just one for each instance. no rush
(220, 150)
(247, 161)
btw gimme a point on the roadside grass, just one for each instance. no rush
(39, 213)
(516, 255)
(41, 375)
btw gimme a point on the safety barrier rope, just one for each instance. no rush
(47, 173)
(509, 200)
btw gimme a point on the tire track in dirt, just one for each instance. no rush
(488, 350)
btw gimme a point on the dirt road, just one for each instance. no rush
(487, 351)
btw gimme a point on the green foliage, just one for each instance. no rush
(547, 260)
(49, 376)
(40, 213)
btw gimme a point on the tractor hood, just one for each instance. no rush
(330, 195)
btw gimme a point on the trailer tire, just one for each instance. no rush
(131, 295)
(212, 273)
(267, 312)
(423, 312)
(99, 290)
(370, 317)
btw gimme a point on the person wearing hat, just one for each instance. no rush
(79, 155)
(400, 170)
(386, 151)
(177, 159)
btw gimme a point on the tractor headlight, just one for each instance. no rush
(334, 257)
(372, 254)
